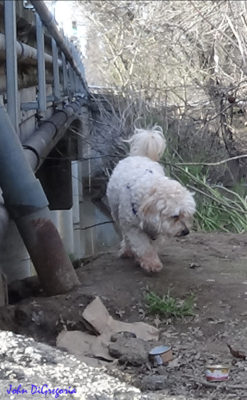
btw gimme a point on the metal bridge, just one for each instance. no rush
(43, 97)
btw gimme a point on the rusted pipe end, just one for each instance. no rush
(53, 266)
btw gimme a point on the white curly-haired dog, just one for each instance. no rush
(145, 204)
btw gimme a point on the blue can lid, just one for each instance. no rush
(159, 350)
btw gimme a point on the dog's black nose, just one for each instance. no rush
(185, 232)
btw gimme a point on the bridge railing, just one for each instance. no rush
(68, 78)
(42, 93)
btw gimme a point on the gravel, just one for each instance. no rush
(32, 370)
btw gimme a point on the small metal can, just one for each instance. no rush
(160, 355)
(217, 373)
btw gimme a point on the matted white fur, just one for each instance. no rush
(147, 205)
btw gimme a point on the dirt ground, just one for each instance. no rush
(211, 266)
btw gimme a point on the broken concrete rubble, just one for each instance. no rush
(25, 362)
(88, 347)
(98, 317)
(132, 351)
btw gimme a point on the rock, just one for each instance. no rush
(126, 335)
(154, 382)
(21, 289)
(133, 351)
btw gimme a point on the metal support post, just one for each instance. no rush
(11, 62)
(71, 82)
(48, 21)
(65, 76)
(41, 64)
(66, 230)
(56, 87)
(76, 195)
(77, 82)
(74, 81)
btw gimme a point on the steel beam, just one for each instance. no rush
(11, 61)
(41, 65)
(56, 83)
(65, 76)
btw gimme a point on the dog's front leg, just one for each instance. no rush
(143, 250)
(125, 250)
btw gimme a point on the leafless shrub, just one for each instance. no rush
(187, 55)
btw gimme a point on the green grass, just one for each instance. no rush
(218, 216)
(168, 306)
(218, 208)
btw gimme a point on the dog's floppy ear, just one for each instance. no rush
(148, 205)
(149, 215)
(150, 229)
(152, 204)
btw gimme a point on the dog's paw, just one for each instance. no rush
(151, 265)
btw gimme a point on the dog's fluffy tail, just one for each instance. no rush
(148, 143)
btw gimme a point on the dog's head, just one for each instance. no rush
(167, 209)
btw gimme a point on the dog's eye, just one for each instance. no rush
(175, 217)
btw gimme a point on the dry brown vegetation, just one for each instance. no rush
(187, 58)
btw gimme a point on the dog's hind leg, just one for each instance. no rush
(143, 250)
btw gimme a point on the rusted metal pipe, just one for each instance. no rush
(42, 141)
(40, 144)
(28, 206)
(25, 53)
(47, 252)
